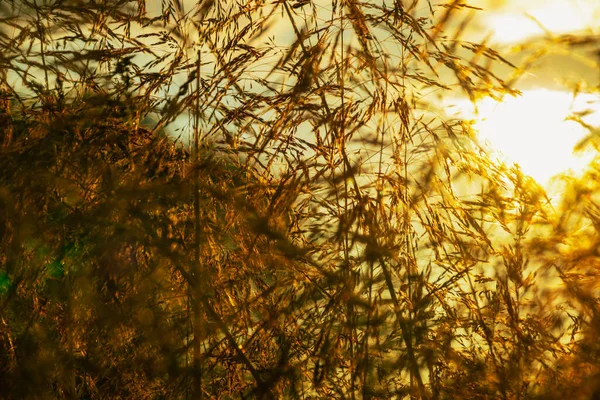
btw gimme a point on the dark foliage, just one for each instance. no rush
(325, 232)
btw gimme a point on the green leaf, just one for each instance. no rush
(56, 269)
(4, 282)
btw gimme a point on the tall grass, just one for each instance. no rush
(252, 199)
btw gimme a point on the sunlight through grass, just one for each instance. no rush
(533, 130)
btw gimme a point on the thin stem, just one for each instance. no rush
(198, 278)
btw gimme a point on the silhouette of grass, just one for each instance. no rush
(223, 200)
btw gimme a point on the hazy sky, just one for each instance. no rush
(538, 116)
(509, 21)
(536, 120)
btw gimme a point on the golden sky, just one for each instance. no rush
(510, 20)
(531, 129)
(515, 126)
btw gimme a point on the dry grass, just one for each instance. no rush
(223, 200)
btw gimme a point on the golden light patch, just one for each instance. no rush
(533, 131)
(518, 21)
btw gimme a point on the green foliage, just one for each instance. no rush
(324, 233)
(4, 282)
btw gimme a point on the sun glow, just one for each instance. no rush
(517, 21)
(532, 130)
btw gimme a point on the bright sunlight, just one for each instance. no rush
(533, 131)
(515, 21)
